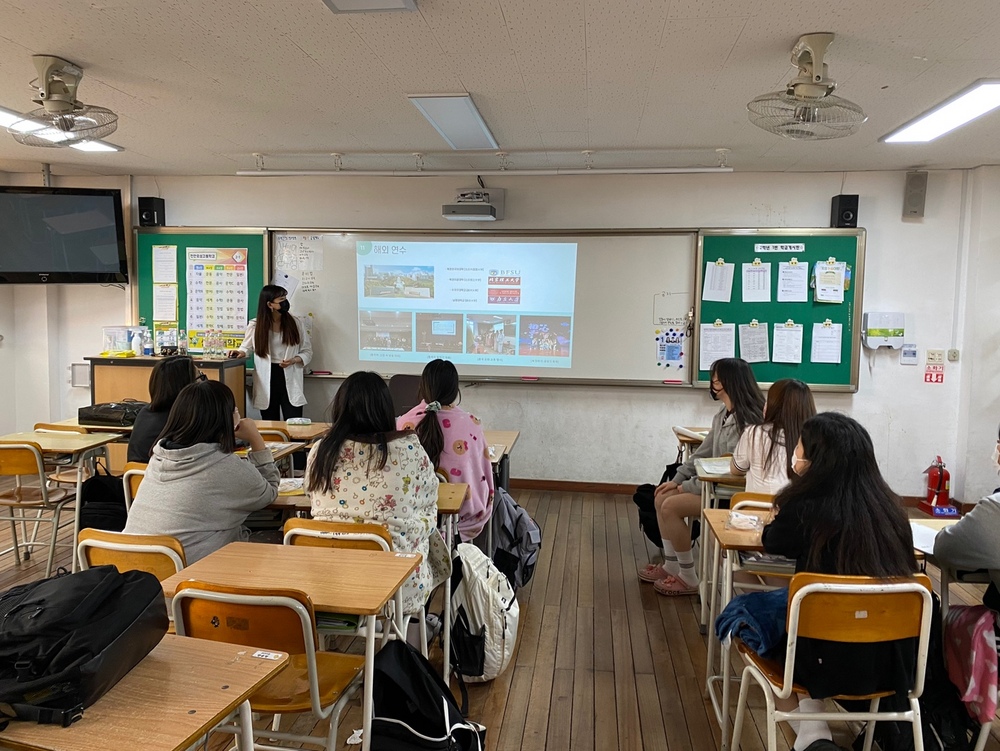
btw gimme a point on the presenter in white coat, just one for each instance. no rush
(281, 351)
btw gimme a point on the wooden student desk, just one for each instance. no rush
(305, 433)
(176, 694)
(359, 582)
(504, 440)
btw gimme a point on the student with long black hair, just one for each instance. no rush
(454, 441)
(169, 376)
(364, 470)
(732, 383)
(839, 516)
(281, 349)
(764, 452)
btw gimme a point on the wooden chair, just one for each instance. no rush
(274, 434)
(743, 499)
(58, 465)
(160, 555)
(22, 461)
(134, 472)
(278, 620)
(348, 535)
(851, 609)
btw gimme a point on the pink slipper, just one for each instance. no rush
(674, 587)
(652, 573)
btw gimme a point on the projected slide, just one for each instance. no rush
(474, 303)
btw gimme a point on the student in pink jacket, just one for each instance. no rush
(454, 441)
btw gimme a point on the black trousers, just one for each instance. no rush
(279, 407)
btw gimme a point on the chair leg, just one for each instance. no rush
(984, 735)
(918, 736)
(13, 536)
(423, 631)
(244, 739)
(870, 728)
(741, 707)
(52, 541)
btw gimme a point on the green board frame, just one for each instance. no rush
(738, 246)
(254, 239)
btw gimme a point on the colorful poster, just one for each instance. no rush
(216, 294)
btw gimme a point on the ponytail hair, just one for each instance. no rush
(438, 386)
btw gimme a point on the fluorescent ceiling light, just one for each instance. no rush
(95, 146)
(9, 117)
(982, 97)
(458, 121)
(369, 6)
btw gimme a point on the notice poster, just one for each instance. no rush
(216, 294)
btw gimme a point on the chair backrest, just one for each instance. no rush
(441, 475)
(403, 390)
(53, 427)
(160, 555)
(860, 609)
(744, 500)
(134, 472)
(274, 434)
(20, 459)
(347, 535)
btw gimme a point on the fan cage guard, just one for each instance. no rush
(85, 123)
(806, 119)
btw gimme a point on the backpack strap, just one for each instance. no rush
(62, 716)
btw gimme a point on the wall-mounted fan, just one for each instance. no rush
(62, 120)
(807, 110)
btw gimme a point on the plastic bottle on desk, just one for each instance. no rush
(147, 343)
(137, 343)
(182, 342)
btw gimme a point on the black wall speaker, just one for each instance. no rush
(844, 211)
(914, 194)
(152, 212)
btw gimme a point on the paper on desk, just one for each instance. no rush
(787, 343)
(923, 538)
(716, 466)
(718, 282)
(757, 282)
(753, 343)
(291, 486)
(717, 342)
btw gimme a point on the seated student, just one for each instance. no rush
(733, 382)
(169, 376)
(974, 542)
(764, 452)
(454, 441)
(196, 489)
(838, 516)
(363, 470)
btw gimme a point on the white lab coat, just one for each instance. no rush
(262, 366)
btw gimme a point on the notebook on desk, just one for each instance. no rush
(716, 466)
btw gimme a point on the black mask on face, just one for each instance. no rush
(284, 306)
(714, 393)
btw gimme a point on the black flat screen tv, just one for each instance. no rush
(61, 235)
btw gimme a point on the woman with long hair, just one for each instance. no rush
(764, 452)
(281, 349)
(169, 376)
(732, 382)
(196, 489)
(364, 470)
(454, 441)
(839, 516)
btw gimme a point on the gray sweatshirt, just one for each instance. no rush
(202, 496)
(721, 439)
(973, 543)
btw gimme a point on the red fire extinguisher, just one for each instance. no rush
(938, 483)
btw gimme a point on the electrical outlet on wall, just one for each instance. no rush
(935, 356)
(952, 355)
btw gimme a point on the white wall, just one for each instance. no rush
(623, 434)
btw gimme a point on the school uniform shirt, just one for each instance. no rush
(721, 439)
(146, 429)
(465, 457)
(828, 668)
(262, 365)
(750, 455)
(201, 496)
(401, 496)
(973, 544)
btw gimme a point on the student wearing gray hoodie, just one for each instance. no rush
(196, 489)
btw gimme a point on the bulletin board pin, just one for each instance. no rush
(721, 262)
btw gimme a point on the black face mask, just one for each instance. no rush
(714, 393)
(284, 306)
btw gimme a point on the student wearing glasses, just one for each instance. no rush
(169, 376)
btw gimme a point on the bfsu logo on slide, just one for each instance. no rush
(503, 296)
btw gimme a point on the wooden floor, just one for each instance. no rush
(602, 661)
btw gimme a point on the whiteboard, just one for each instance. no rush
(633, 299)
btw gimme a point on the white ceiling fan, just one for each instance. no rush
(807, 109)
(62, 120)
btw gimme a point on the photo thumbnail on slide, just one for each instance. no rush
(439, 332)
(545, 336)
(491, 335)
(470, 301)
(386, 331)
(399, 281)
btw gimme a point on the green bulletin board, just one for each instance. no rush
(232, 262)
(774, 246)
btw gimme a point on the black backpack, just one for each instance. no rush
(643, 498)
(413, 708)
(102, 502)
(65, 641)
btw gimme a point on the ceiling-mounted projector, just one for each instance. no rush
(475, 205)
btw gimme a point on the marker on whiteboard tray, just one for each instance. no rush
(529, 378)
(321, 372)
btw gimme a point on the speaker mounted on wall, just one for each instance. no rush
(152, 212)
(914, 195)
(844, 210)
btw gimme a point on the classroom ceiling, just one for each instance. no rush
(201, 85)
